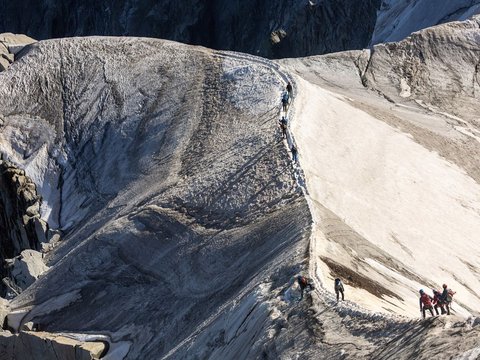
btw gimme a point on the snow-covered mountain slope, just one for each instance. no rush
(397, 19)
(389, 145)
(183, 219)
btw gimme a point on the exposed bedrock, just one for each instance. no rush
(271, 29)
(20, 224)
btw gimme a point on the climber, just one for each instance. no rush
(447, 297)
(285, 101)
(283, 127)
(289, 89)
(304, 282)
(437, 302)
(294, 153)
(425, 303)
(339, 289)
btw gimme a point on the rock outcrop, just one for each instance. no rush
(439, 67)
(20, 222)
(10, 45)
(47, 346)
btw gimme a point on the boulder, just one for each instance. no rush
(10, 45)
(33, 210)
(29, 326)
(15, 42)
(45, 346)
(27, 267)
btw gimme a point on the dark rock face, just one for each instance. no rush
(278, 29)
(20, 224)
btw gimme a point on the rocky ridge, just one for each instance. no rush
(176, 194)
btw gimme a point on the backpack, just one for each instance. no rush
(338, 284)
(426, 300)
(450, 294)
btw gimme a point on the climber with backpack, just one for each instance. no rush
(294, 153)
(339, 289)
(283, 127)
(304, 283)
(285, 99)
(447, 297)
(437, 302)
(289, 89)
(425, 303)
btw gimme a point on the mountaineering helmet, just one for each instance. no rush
(421, 291)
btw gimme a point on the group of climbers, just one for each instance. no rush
(283, 123)
(439, 300)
